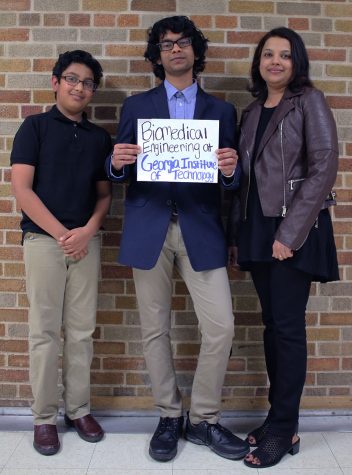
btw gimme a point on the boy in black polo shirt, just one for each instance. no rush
(59, 181)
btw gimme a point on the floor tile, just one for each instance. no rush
(43, 471)
(125, 452)
(227, 471)
(74, 454)
(138, 471)
(340, 444)
(301, 471)
(8, 443)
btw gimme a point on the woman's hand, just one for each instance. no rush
(281, 252)
(232, 257)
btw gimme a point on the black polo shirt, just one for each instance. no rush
(69, 159)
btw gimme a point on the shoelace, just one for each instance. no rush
(168, 423)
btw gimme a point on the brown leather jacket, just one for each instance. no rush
(295, 165)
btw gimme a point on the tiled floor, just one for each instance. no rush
(326, 449)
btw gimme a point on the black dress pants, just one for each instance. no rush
(283, 293)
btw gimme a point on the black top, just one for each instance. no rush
(317, 256)
(69, 159)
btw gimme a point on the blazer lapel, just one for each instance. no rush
(200, 110)
(159, 100)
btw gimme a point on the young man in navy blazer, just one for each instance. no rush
(178, 224)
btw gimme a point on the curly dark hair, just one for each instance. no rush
(300, 63)
(176, 24)
(78, 56)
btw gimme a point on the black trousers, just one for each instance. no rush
(283, 293)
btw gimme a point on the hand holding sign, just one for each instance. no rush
(124, 154)
(178, 150)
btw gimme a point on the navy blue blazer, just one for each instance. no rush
(148, 204)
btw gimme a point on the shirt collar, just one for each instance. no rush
(56, 114)
(190, 92)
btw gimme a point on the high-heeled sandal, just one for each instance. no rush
(271, 450)
(259, 433)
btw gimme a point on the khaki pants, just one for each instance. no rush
(63, 296)
(210, 292)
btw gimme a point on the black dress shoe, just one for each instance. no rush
(46, 440)
(163, 445)
(219, 439)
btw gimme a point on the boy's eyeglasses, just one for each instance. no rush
(88, 84)
(168, 45)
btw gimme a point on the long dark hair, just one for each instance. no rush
(300, 63)
(176, 24)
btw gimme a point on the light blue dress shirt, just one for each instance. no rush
(181, 103)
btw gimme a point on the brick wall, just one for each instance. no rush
(32, 34)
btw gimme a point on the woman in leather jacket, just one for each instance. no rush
(281, 224)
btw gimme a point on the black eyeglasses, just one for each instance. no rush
(168, 45)
(88, 84)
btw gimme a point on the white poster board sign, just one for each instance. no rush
(178, 150)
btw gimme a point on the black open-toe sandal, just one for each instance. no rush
(271, 450)
(259, 433)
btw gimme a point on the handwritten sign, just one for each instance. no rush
(178, 150)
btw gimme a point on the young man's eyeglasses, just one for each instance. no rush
(168, 45)
(88, 84)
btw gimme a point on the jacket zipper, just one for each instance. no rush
(291, 182)
(249, 177)
(284, 208)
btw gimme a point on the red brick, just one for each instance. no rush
(125, 50)
(228, 52)
(344, 258)
(14, 346)
(18, 5)
(21, 361)
(106, 378)
(13, 315)
(343, 41)
(79, 19)
(326, 54)
(104, 20)
(6, 206)
(9, 112)
(105, 348)
(244, 37)
(124, 363)
(13, 375)
(127, 21)
(202, 21)
(339, 102)
(109, 317)
(343, 211)
(15, 96)
(30, 110)
(154, 5)
(298, 23)
(14, 34)
(323, 364)
(225, 21)
(13, 237)
(116, 272)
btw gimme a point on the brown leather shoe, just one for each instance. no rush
(87, 428)
(46, 440)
